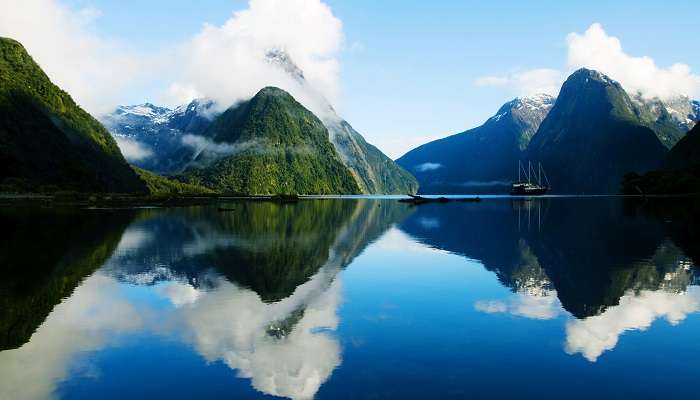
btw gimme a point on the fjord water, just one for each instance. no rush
(352, 298)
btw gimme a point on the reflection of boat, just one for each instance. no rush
(530, 188)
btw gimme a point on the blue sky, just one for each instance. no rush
(408, 70)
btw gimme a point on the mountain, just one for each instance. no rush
(160, 137)
(480, 159)
(592, 137)
(686, 153)
(267, 145)
(679, 174)
(671, 119)
(159, 132)
(373, 171)
(48, 141)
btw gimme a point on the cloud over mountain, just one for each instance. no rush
(96, 71)
(229, 63)
(596, 49)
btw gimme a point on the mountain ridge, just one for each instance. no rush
(592, 137)
(482, 158)
(268, 145)
(48, 142)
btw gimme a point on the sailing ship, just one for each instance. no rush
(533, 186)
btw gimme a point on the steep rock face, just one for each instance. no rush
(483, 159)
(373, 171)
(671, 119)
(47, 142)
(592, 137)
(267, 145)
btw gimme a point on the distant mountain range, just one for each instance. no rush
(49, 143)
(157, 133)
(483, 159)
(587, 139)
(168, 141)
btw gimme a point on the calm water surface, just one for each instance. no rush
(352, 299)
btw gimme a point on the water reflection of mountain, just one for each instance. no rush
(45, 254)
(263, 246)
(591, 251)
(276, 331)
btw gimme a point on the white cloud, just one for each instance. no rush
(133, 150)
(595, 49)
(228, 63)
(525, 83)
(594, 335)
(94, 70)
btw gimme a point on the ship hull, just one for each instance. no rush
(528, 192)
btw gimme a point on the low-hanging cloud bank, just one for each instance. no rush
(596, 49)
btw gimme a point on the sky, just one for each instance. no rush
(401, 72)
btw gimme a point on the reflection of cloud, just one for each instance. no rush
(84, 322)
(133, 239)
(225, 323)
(429, 223)
(491, 306)
(178, 293)
(524, 304)
(231, 324)
(594, 335)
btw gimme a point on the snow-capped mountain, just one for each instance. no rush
(527, 112)
(483, 158)
(151, 136)
(671, 118)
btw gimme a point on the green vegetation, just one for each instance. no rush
(374, 172)
(270, 145)
(47, 142)
(160, 185)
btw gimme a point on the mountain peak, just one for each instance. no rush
(272, 91)
(281, 59)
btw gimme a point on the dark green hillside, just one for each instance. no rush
(47, 142)
(270, 144)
